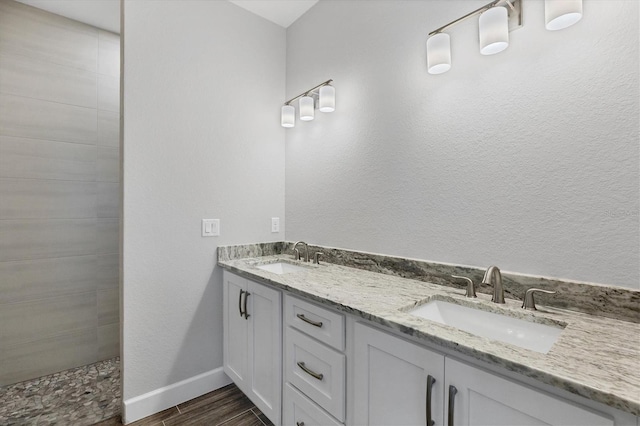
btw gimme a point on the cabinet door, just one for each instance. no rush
(265, 349)
(483, 398)
(390, 380)
(235, 341)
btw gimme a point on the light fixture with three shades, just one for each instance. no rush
(496, 20)
(326, 102)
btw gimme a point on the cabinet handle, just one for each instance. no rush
(299, 423)
(452, 396)
(246, 296)
(313, 374)
(308, 321)
(430, 382)
(240, 303)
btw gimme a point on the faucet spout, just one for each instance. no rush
(297, 252)
(493, 276)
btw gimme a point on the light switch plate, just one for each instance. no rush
(275, 224)
(210, 227)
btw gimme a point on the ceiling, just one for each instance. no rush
(105, 14)
(282, 12)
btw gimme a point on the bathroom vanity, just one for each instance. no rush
(334, 345)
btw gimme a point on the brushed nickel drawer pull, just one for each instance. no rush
(246, 296)
(452, 397)
(430, 382)
(308, 321)
(240, 303)
(313, 374)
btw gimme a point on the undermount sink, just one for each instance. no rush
(280, 267)
(525, 334)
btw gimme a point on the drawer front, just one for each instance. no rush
(316, 370)
(317, 322)
(300, 410)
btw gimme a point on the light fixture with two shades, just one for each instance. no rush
(496, 20)
(326, 101)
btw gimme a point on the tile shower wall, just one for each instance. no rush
(59, 193)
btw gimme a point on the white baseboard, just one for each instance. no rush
(169, 396)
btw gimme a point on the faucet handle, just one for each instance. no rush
(529, 302)
(471, 288)
(296, 254)
(316, 257)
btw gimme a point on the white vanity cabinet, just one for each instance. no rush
(482, 398)
(303, 363)
(314, 365)
(391, 383)
(253, 342)
(394, 379)
(299, 410)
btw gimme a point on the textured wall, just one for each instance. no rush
(527, 159)
(59, 203)
(202, 84)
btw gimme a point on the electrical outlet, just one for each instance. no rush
(275, 224)
(210, 227)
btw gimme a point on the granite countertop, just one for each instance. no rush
(595, 357)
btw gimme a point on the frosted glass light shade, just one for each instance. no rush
(438, 53)
(560, 14)
(306, 108)
(288, 116)
(494, 30)
(327, 100)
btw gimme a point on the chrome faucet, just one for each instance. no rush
(493, 276)
(297, 252)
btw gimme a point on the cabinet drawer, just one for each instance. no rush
(299, 410)
(316, 370)
(317, 322)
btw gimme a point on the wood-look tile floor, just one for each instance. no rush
(226, 406)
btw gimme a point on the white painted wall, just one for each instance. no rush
(202, 85)
(528, 159)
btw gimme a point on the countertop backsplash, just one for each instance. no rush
(594, 299)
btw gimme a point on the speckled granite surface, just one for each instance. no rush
(609, 301)
(80, 396)
(595, 357)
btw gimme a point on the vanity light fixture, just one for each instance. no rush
(288, 116)
(496, 20)
(494, 30)
(560, 14)
(439, 53)
(323, 96)
(327, 99)
(307, 109)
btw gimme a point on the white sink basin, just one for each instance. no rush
(518, 332)
(280, 268)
